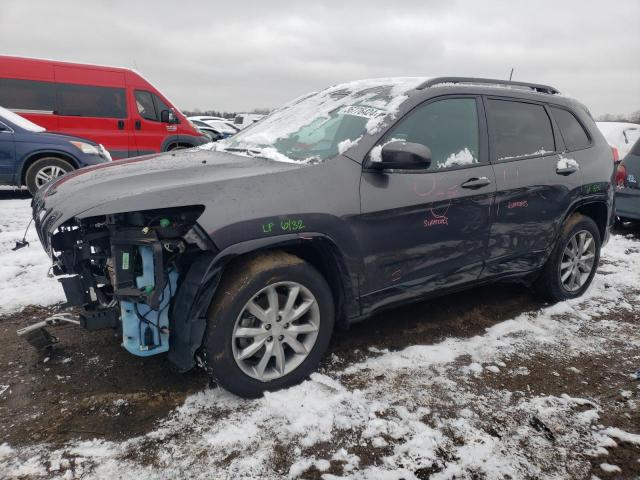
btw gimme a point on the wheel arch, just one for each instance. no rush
(35, 156)
(201, 281)
(173, 141)
(318, 250)
(597, 210)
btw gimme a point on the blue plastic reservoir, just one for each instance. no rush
(134, 338)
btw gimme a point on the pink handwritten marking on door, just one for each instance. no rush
(518, 204)
(436, 221)
(427, 193)
(397, 275)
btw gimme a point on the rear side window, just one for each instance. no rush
(88, 101)
(448, 127)
(27, 95)
(519, 129)
(574, 135)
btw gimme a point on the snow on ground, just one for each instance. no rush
(417, 410)
(23, 273)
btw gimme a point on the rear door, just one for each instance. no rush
(7, 154)
(92, 104)
(428, 229)
(532, 196)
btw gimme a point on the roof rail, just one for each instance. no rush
(432, 82)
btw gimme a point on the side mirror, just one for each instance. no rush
(404, 155)
(167, 116)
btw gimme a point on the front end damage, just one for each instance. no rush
(150, 275)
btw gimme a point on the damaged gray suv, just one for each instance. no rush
(242, 256)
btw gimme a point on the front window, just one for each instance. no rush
(146, 109)
(448, 127)
(321, 125)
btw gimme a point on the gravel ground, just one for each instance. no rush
(487, 383)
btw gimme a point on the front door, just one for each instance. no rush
(533, 194)
(425, 230)
(7, 155)
(150, 132)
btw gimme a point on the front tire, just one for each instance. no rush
(44, 170)
(573, 261)
(269, 324)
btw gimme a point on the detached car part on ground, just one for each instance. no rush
(244, 256)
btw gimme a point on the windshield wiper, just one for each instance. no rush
(252, 152)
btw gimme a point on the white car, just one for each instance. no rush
(221, 125)
(620, 135)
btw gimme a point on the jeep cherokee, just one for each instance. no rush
(242, 256)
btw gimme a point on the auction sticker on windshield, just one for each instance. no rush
(361, 111)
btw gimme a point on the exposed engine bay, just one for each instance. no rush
(125, 271)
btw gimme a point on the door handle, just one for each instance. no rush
(138, 124)
(120, 124)
(476, 183)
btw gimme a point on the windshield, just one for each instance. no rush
(321, 125)
(19, 121)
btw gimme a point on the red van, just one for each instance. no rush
(112, 106)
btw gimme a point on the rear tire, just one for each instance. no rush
(257, 340)
(45, 170)
(573, 261)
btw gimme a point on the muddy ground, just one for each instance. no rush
(87, 386)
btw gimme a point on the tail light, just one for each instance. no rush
(621, 175)
(616, 154)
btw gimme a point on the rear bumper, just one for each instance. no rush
(627, 203)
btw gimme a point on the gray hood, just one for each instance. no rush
(149, 182)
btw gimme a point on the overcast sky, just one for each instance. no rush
(238, 55)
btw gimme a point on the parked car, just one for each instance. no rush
(243, 120)
(31, 157)
(213, 134)
(115, 107)
(221, 127)
(216, 120)
(620, 135)
(627, 198)
(362, 196)
(202, 118)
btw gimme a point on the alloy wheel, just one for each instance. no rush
(48, 173)
(275, 331)
(577, 260)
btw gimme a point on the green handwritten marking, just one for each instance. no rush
(291, 225)
(593, 188)
(286, 225)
